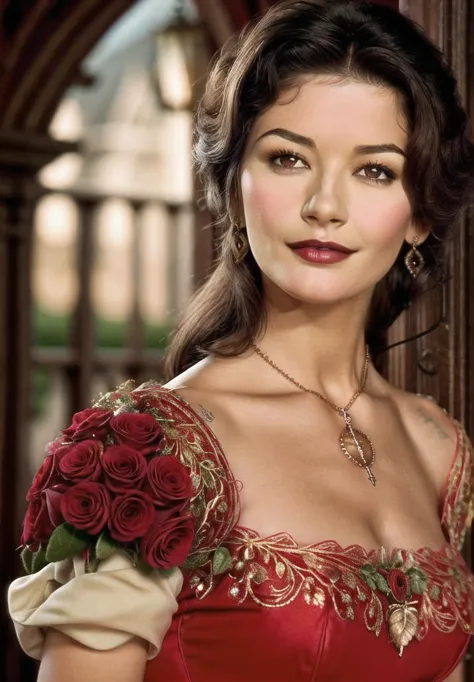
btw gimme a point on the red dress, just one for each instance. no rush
(319, 613)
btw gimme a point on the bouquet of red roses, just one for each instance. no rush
(106, 483)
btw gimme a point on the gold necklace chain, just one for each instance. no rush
(354, 443)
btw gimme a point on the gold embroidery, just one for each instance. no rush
(274, 571)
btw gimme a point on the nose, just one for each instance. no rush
(325, 205)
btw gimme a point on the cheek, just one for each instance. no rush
(264, 201)
(386, 221)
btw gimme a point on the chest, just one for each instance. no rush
(296, 478)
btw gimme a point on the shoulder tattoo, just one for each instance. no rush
(428, 419)
(205, 414)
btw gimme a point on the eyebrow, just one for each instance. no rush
(308, 142)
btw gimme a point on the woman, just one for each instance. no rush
(337, 161)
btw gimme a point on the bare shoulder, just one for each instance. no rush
(432, 431)
(209, 387)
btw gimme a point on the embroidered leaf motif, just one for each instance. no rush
(418, 580)
(197, 560)
(381, 583)
(280, 569)
(258, 574)
(434, 593)
(221, 561)
(402, 625)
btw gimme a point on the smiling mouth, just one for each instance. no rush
(315, 244)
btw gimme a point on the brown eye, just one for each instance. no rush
(288, 161)
(373, 172)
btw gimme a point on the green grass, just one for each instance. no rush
(54, 331)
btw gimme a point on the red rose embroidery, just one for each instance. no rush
(398, 583)
(37, 526)
(168, 541)
(140, 431)
(89, 423)
(47, 475)
(169, 482)
(86, 506)
(81, 461)
(131, 515)
(124, 468)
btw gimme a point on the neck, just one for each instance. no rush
(323, 349)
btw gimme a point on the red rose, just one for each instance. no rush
(82, 461)
(53, 500)
(46, 476)
(169, 482)
(86, 506)
(168, 541)
(140, 431)
(90, 423)
(124, 468)
(398, 583)
(131, 515)
(37, 526)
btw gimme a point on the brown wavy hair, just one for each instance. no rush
(370, 43)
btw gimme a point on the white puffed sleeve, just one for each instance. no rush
(101, 610)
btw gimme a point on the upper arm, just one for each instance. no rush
(65, 659)
(436, 437)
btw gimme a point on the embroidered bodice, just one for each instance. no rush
(245, 607)
(269, 608)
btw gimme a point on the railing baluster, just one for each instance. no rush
(82, 336)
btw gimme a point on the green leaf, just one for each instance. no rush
(381, 583)
(196, 560)
(369, 580)
(66, 541)
(368, 568)
(27, 559)
(166, 572)
(418, 582)
(434, 593)
(221, 560)
(142, 565)
(105, 546)
(39, 561)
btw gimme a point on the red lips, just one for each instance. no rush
(316, 244)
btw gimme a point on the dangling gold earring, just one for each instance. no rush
(414, 260)
(240, 243)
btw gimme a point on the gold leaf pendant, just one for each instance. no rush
(357, 446)
(402, 624)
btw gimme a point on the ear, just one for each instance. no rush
(417, 228)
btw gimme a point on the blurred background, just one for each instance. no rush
(103, 233)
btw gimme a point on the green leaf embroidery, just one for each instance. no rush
(370, 582)
(39, 561)
(27, 559)
(418, 580)
(221, 561)
(66, 541)
(197, 560)
(381, 583)
(434, 593)
(105, 546)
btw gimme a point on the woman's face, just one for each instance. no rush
(325, 164)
